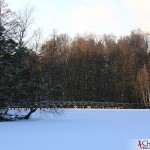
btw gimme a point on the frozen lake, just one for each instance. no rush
(77, 130)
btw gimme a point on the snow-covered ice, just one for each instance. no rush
(77, 130)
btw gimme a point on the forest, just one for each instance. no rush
(89, 67)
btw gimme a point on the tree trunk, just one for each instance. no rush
(32, 110)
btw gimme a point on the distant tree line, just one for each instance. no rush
(88, 68)
(85, 68)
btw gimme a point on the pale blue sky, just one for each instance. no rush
(91, 16)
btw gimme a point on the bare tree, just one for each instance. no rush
(37, 40)
(143, 83)
(7, 23)
(24, 20)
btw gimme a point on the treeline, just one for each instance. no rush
(85, 68)
(88, 68)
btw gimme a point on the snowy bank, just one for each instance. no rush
(76, 130)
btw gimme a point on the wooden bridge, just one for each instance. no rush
(80, 105)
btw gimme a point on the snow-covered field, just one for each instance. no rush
(77, 130)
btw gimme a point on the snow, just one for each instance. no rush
(76, 130)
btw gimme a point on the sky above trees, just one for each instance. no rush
(91, 16)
